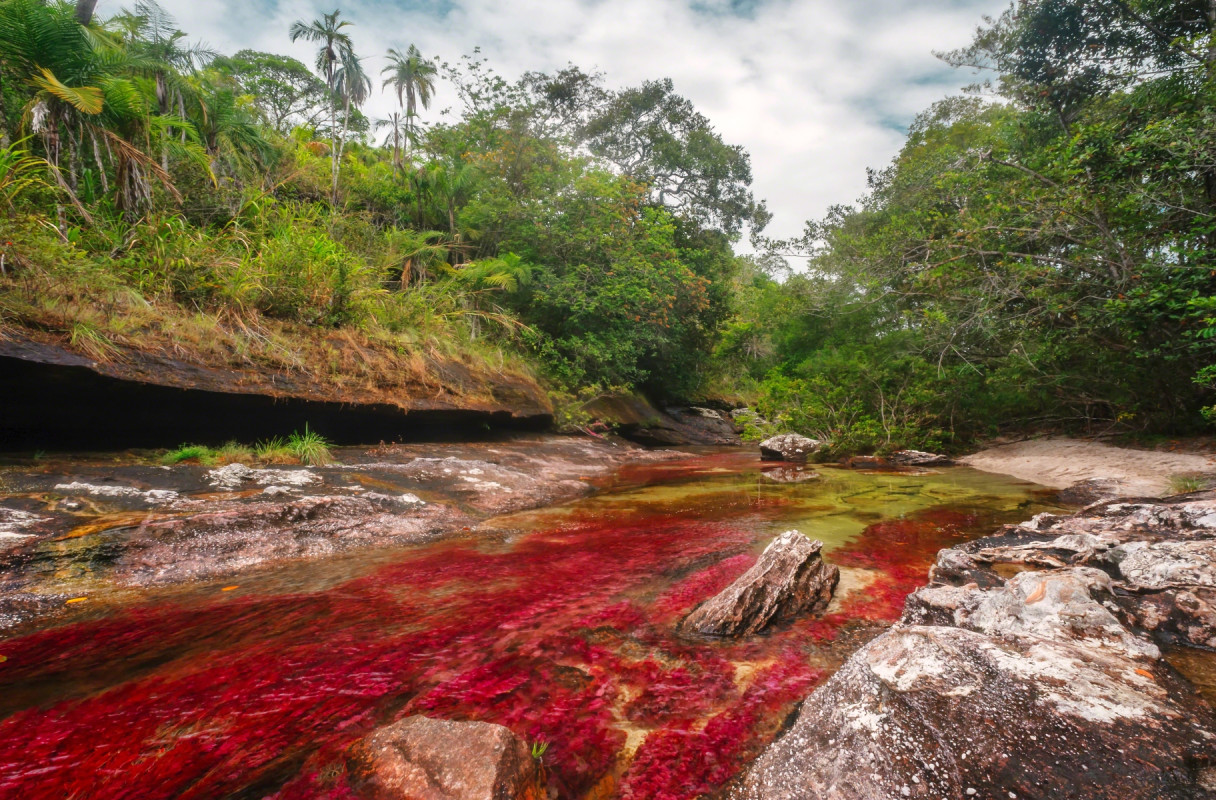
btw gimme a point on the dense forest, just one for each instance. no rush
(1038, 256)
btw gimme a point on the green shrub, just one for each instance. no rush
(310, 447)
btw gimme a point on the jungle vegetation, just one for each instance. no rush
(1038, 256)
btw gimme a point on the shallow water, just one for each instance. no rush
(557, 623)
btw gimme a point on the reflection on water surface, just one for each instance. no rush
(557, 623)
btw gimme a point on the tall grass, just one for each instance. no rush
(310, 447)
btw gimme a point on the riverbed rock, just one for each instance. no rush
(942, 712)
(919, 458)
(637, 419)
(789, 447)
(419, 758)
(1170, 588)
(791, 578)
(1093, 490)
(1026, 669)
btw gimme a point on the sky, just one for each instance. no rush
(815, 90)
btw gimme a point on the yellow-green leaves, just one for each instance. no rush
(85, 99)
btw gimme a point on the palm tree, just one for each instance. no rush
(396, 125)
(353, 85)
(80, 89)
(336, 49)
(413, 78)
(158, 46)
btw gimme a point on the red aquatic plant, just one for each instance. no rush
(562, 637)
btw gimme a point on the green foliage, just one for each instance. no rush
(1041, 263)
(310, 447)
(1183, 484)
(190, 452)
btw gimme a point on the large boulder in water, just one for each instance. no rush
(939, 712)
(789, 579)
(789, 447)
(420, 758)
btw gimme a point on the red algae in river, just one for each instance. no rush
(566, 637)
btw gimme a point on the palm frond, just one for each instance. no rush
(85, 99)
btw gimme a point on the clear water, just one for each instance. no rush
(557, 623)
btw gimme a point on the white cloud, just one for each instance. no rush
(814, 89)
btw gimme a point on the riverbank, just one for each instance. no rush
(70, 529)
(1060, 463)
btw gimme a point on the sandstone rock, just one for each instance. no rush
(789, 579)
(918, 458)
(939, 712)
(1171, 588)
(420, 758)
(1166, 565)
(958, 568)
(789, 447)
(1030, 687)
(1094, 490)
(1061, 605)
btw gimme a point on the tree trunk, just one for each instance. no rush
(4, 138)
(84, 11)
(101, 167)
(341, 147)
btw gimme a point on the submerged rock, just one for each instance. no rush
(790, 474)
(789, 579)
(789, 447)
(420, 758)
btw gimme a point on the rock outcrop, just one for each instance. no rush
(636, 419)
(140, 525)
(1034, 684)
(789, 447)
(149, 398)
(791, 578)
(419, 758)
(941, 712)
(918, 458)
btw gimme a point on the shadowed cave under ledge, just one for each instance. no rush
(59, 407)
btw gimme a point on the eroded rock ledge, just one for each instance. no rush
(137, 398)
(1028, 668)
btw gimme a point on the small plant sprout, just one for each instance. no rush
(538, 750)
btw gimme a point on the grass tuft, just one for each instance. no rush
(310, 447)
(190, 452)
(1183, 484)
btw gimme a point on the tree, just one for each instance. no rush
(157, 46)
(336, 51)
(413, 79)
(655, 136)
(283, 90)
(353, 86)
(84, 11)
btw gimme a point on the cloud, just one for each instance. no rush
(815, 90)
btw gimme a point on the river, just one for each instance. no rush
(558, 623)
